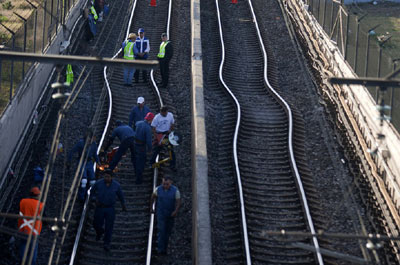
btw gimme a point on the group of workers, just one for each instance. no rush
(137, 137)
(138, 48)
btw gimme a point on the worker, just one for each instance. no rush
(129, 50)
(163, 124)
(93, 13)
(99, 6)
(105, 191)
(168, 201)
(126, 136)
(90, 157)
(69, 75)
(143, 46)
(28, 207)
(138, 112)
(142, 140)
(164, 56)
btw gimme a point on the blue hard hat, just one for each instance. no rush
(140, 30)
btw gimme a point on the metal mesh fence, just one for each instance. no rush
(29, 28)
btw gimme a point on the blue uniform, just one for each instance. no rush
(126, 136)
(165, 207)
(143, 139)
(137, 114)
(105, 202)
(88, 171)
(143, 46)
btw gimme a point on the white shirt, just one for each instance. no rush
(161, 123)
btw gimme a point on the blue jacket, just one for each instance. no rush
(107, 195)
(78, 148)
(122, 132)
(137, 114)
(166, 200)
(143, 133)
(92, 24)
(145, 48)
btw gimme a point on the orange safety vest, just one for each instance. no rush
(27, 207)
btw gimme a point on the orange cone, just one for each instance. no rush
(153, 3)
(234, 1)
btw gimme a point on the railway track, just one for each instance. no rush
(269, 193)
(131, 242)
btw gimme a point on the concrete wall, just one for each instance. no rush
(17, 116)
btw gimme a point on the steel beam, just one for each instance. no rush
(366, 81)
(73, 59)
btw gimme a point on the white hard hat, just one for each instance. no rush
(173, 138)
(140, 100)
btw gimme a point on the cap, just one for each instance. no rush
(140, 30)
(140, 100)
(174, 138)
(167, 177)
(109, 171)
(149, 116)
(132, 36)
(118, 122)
(164, 35)
(35, 191)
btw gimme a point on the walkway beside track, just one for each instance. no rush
(201, 233)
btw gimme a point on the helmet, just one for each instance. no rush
(140, 100)
(174, 138)
(149, 116)
(132, 36)
(140, 30)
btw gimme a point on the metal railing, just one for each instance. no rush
(364, 47)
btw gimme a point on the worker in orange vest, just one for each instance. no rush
(27, 207)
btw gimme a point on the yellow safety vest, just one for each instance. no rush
(161, 54)
(70, 74)
(93, 11)
(128, 50)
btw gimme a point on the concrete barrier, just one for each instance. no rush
(201, 234)
(17, 117)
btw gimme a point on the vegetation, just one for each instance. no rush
(7, 5)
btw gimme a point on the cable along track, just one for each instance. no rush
(271, 194)
(133, 231)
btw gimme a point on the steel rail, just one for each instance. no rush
(155, 175)
(235, 137)
(290, 145)
(110, 100)
(152, 70)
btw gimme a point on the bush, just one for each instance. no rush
(7, 5)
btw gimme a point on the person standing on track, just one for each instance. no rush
(91, 157)
(168, 202)
(164, 56)
(126, 136)
(143, 46)
(138, 112)
(143, 139)
(27, 207)
(163, 124)
(106, 190)
(129, 50)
